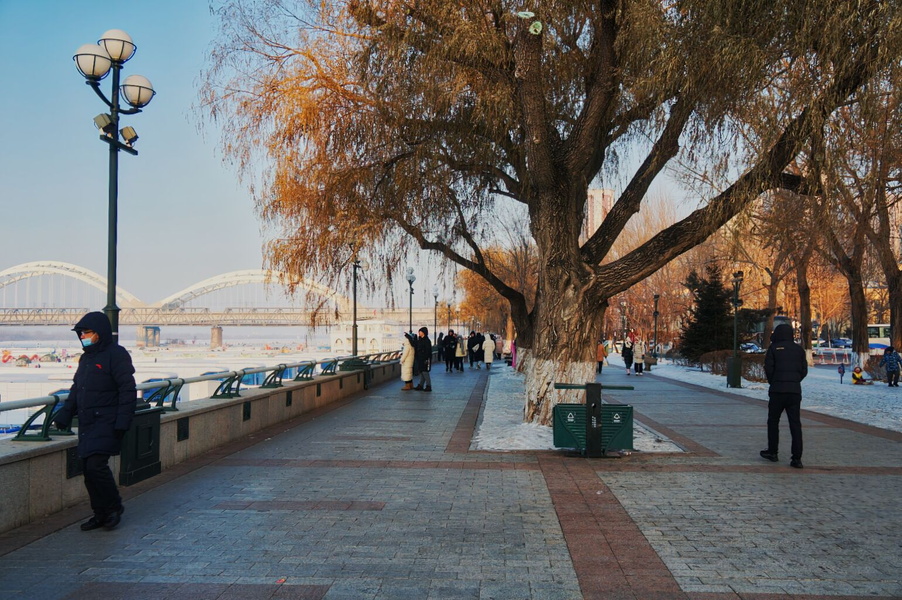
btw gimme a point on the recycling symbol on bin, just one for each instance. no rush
(570, 417)
(616, 417)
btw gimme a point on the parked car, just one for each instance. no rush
(841, 343)
(751, 348)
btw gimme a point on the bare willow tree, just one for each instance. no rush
(400, 123)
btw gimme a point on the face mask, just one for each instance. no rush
(86, 342)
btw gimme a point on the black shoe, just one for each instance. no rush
(419, 388)
(428, 388)
(92, 523)
(796, 463)
(113, 518)
(771, 456)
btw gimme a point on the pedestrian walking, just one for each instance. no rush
(460, 354)
(638, 356)
(626, 353)
(440, 347)
(423, 360)
(472, 345)
(103, 397)
(408, 351)
(601, 354)
(893, 363)
(450, 350)
(785, 365)
(488, 348)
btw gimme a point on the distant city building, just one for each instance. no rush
(598, 205)
(373, 336)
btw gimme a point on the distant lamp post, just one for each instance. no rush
(94, 62)
(734, 368)
(623, 318)
(654, 351)
(410, 279)
(435, 310)
(355, 265)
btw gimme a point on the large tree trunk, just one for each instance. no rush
(860, 349)
(804, 291)
(568, 315)
(566, 354)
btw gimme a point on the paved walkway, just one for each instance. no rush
(381, 497)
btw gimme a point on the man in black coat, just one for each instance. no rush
(450, 348)
(785, 365)
(103, 396)
(422, 360)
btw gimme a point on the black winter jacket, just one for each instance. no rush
(422, 356)
(785, 363)
(103, 393)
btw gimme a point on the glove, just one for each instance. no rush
(59, 426)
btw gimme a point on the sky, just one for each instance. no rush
(183, 215)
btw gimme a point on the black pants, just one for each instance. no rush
(449, 362)
(600, 364)
(892, 378)
(791, 403)
(101, 485)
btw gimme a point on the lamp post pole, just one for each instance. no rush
(95, 62)
(734, 370)
(410, 279)
(435, 311)
(623, 319)
(355, 265)
(654, 351)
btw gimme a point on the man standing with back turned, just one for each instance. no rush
(103, 396)
(785, 365)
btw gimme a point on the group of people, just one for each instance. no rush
(632, 353)
(891, 362)
(416, 355)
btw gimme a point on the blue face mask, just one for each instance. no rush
(85, 342)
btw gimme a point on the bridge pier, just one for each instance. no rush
(215, 337)
(148, 336)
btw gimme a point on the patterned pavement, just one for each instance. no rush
(381, 498)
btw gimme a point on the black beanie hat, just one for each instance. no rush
(424, 330)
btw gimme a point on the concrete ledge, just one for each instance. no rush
(33, 474)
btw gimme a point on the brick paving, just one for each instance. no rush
(382, 498)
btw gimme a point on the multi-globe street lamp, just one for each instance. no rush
(410, 279)
(95, 62)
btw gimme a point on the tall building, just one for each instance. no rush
(598, 205)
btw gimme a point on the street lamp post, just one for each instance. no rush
(410, 279)
(355, 265)
(734, 368)
(94, 62)
(654, 351)
(435, 311)
(623, 319)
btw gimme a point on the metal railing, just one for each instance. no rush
(169, 389)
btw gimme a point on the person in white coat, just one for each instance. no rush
(407, 358)
(489, 348)
(638, 356)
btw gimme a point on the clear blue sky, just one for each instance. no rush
(183, 216)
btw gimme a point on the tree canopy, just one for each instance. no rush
(396, 124)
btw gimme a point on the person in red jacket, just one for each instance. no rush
(785, 365)
(104, 398)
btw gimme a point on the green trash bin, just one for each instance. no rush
(569, 426)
